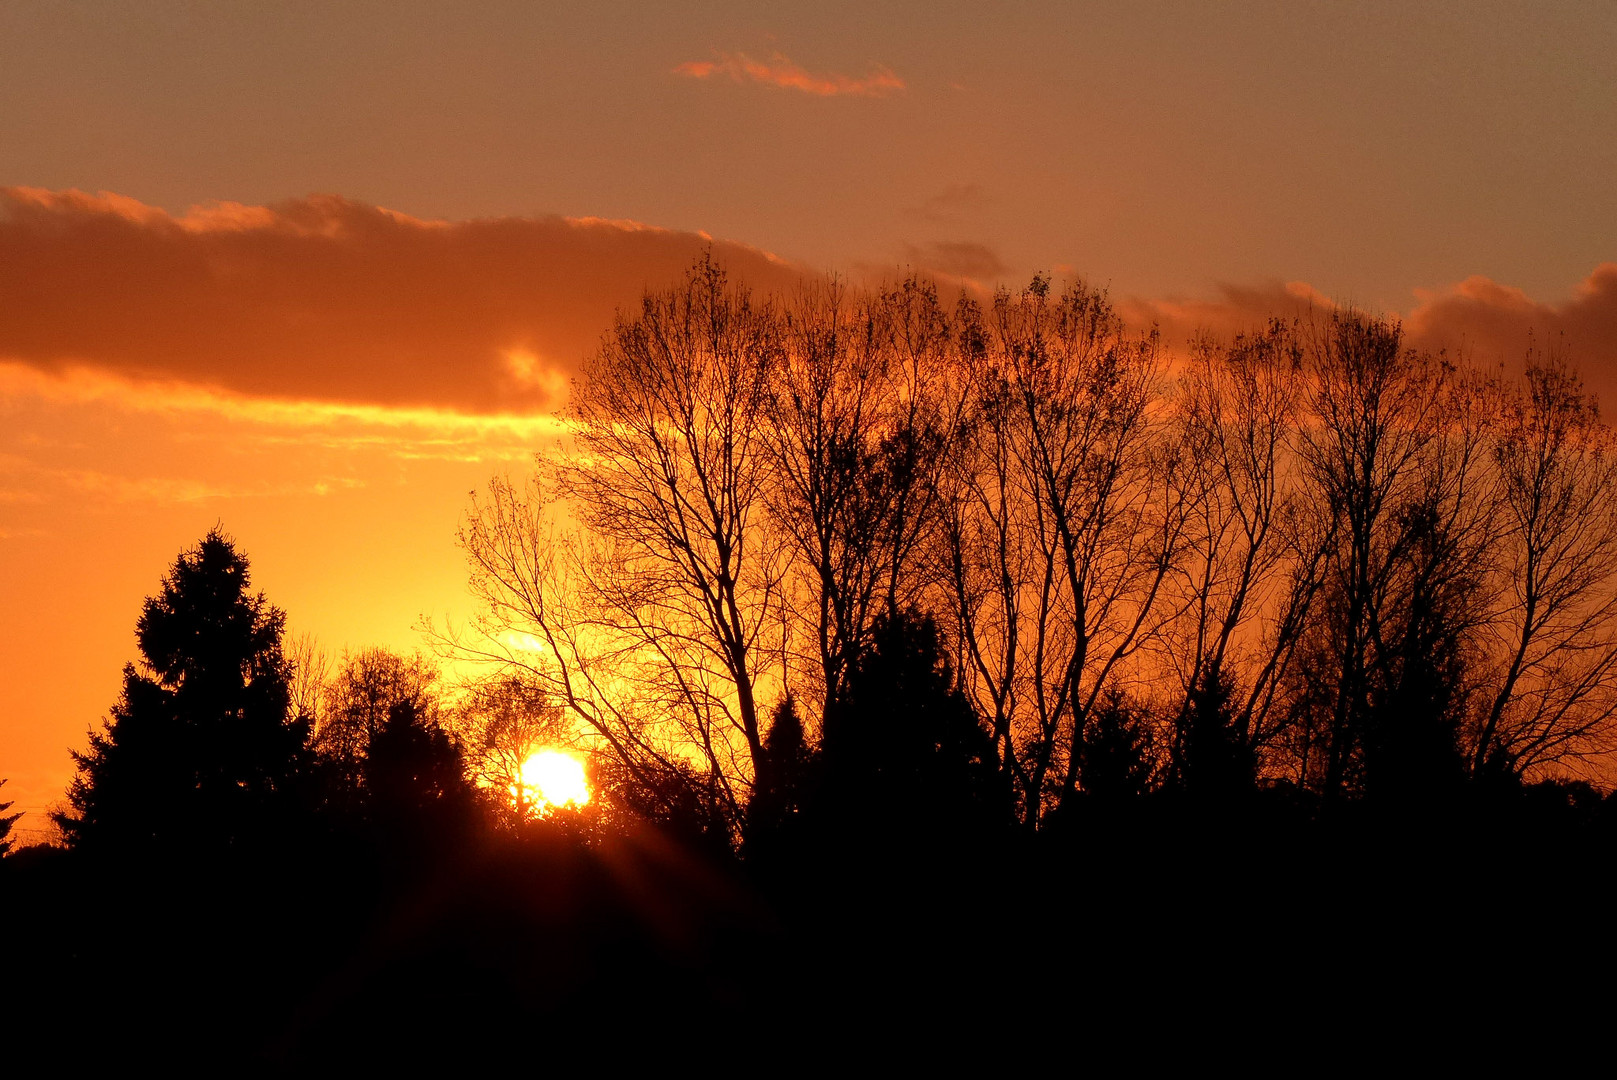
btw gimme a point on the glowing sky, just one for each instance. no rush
(207, 341)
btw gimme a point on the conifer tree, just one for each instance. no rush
(201, 748)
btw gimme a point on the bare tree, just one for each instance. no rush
(311, 672)
(543, 620)
(503, 722)
(656, 621)
(1552, 697)
(1393, 453)
(854, 435)
(358, 699)
(1249, 564)
(1058, 531)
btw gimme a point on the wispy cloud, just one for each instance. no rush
(951, 204)
(958, 258)
(781, 71)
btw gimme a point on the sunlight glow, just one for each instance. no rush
(554, 778)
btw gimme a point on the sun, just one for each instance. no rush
(555, 778)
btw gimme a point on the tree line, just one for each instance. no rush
(1309, 559)
(869, 555)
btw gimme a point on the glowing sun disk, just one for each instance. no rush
(555, 778)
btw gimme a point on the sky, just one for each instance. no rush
(315, 272)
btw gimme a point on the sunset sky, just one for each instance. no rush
(317, 271)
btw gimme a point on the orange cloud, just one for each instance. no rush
(782, 72)
(963, 259)
(1493, 322)
(1237, 309)
(1478, 318)
(329, 299)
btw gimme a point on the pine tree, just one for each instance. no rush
(902, 745)
(201, 747)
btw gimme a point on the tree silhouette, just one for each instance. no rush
(1058, 533)
(903, 748)
(1116, 758)
(415, 778)
(854, 447)
(6, 822)
(1395, 463)
(200, 747)
(1553, 696)
(356, 704)
(502, 722)
(1212, 755)
(787, 788)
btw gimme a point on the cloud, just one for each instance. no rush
(951, 203)
(1478, 318)
(965, 259)
(1493, 322)
(329, 299)
(1236, 309)
(782, 72)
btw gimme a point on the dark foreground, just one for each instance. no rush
(1127, 940)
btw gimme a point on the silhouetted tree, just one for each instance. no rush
(670, 591)
(855, 432)
(504, 721)
(788, 788)
(200, 747)
(311, 675)
(1212, 756)
(1248, 572)
(688, 805)
(1058, 535)
(1551, 694)
(356, 704)
(903, 747)
(1395, 458)
(6, 822)
(416, 786)
(1116, 757)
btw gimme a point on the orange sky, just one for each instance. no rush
(186, 338)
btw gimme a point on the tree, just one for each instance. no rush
(1395, 458)
(779, 805)
(1249, 569)
(6, 822)
(311, 674)
(503, 721)
(415, 778)
(1551, 696)
(903, 748)
(656, 625)
(1116, 756)
(668, 418)
(356, 703)
(1213, 757)
(856, 426)
(200, 747)
(1058, 534)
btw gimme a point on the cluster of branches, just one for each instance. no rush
(1310, 555)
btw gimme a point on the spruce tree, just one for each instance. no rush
(201, 748)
